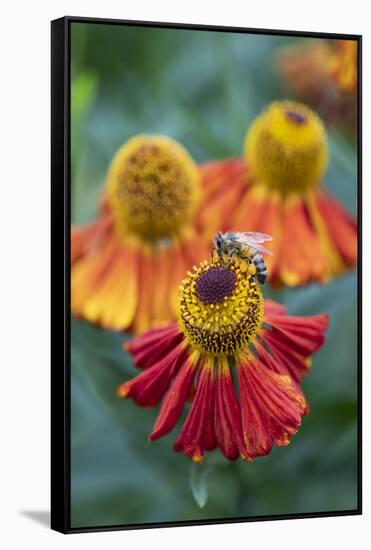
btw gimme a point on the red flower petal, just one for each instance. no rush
(283, 360)
(197, 433)
(271, 407)
(305, 335)
(273, 308)
(175, 398)
(227, 414)
(150, 347)
(150, 385)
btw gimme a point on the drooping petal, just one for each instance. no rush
(341, 227)
(151, 384)
(327, 246)
(179, 269)
(197, 433)
(227, 414)
(303, 335)
(88, 237)
(271, 406)
(162, 273)
(300, 258)
(224, 184)
(146, 284)
(214, 175)
(283, 360)
(153, 345)
(273, 308)
(175, 397)
(104, 287)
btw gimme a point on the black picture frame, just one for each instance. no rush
(60, 273)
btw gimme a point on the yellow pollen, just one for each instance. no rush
(286, 147)
(214, 329)
(153, 187)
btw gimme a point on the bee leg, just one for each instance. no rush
(230, 257)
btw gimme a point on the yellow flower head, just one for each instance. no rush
(221, 308)
(286, 147)
(153, 187)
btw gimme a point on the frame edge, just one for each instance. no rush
(60, 497)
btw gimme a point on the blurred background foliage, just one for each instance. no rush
(203, 89)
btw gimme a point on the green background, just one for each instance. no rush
(203, 89)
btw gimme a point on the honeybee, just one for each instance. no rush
(246, 246)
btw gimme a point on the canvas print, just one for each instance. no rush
(213, 275)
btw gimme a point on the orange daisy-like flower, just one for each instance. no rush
(324, 74)
(125, 267)
(225, 337)
(276, 189)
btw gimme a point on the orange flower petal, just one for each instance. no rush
(261, 211)
(113, 290)
(224, 184)
(86, 238)
(341, 226)
(162, 274)
(300, 256)
(88, 275)
(146, 284)
(216, 174)
(328, 247)
(179, 270)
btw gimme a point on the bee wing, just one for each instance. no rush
(248, 238)
(251, 239)
(257, 237)
(261, 248)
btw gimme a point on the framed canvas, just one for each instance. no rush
(206, 274)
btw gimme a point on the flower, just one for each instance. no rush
(225, 335)
(324, 74)
(343, 65)
(126, 265)
(276, 189)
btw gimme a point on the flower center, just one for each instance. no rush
(286, 147)
(214, 285)
(221, 308)
(153, 187)
(298, 118)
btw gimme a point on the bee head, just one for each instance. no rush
(218, 241)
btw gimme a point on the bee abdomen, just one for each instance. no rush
(261, 276)
(261, 270)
